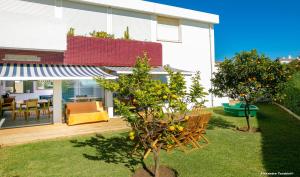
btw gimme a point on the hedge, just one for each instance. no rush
(292, 91)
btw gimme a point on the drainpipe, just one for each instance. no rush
(211, 62)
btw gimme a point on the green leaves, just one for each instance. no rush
(101, 34)
(197, 92)
(251, 76)
(144, 102)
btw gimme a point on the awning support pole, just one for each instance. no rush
(108, 97)
(57, 101)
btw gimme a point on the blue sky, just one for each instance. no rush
(270, 26)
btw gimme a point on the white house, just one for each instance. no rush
(32, 29)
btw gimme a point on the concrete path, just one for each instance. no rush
(15, 136)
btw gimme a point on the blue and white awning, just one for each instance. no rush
(50, 72)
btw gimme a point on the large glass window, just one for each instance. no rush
(19, 86)
(82, 88)
(44, 85)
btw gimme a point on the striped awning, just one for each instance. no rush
(50, 72)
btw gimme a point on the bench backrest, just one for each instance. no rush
(84, 107)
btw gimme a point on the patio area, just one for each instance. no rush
(9, 137)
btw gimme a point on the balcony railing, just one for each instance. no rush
(109, 52)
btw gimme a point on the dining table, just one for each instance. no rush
(41, 102)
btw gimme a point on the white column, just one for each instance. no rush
(57, 102)
(109, 21)
(153, 28)
(58, 11)
(212, 60)
(108, 97)
(2, 87)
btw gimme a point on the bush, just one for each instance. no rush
(292, 92)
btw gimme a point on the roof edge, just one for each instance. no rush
(155, 8)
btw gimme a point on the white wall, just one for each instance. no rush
(192, 53)
(47, 23)
(37, 24)
(139, 24)
(22, 22)
(83, 17)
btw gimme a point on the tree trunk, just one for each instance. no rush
(156, 152)
(246, 110)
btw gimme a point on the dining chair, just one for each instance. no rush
(203, 122)
(185, 137)
(20, 109)
(32, 106)
(9, 107)
(47, 108)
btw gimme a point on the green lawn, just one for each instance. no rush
(230, 153)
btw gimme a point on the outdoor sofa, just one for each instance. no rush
(85, 112)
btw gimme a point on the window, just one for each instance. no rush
(44, 84)
(13, 57)
(168, 29)
(88, 88)
(19, 86)
(162, 78)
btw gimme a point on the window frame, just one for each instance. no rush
(167, 40)
(14, 87)
(37, 87)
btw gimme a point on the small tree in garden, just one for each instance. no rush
(249, 76)
(143, 103)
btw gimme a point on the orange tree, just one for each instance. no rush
(145, 103)
(249, 76)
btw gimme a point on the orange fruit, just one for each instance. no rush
(131, 133)
(171, 128)
(180, 128)
(186, 117)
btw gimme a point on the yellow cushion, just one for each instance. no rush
(80, 118)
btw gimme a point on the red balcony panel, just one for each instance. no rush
(46, 57)
(110, 52)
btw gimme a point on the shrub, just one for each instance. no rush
(292, 92)
(102, 34)
(71, 32)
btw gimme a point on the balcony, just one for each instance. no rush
(109, 52)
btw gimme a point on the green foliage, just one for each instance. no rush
(71, 32)
(140, 91)
(143, 101)
(101, 34)
(249, 76)
(292, 92)
(126, 34)
(197, 91)
(294, 66)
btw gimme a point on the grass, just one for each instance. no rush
(230, 153)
